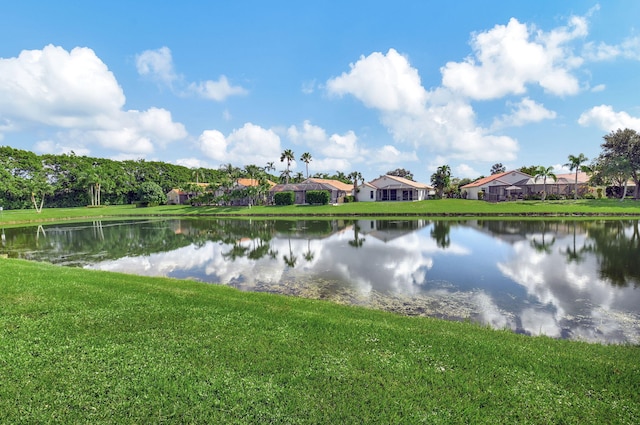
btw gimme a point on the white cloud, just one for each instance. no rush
(309, 134)
(522, 113)
(509, 57)
(384, 82)
(58, 88)
(250, 144)
(628, 49)
(605, 118)
(598, 88)
(465, 171)
(438, 119)
(158, 66)
(192, 163)
(216, 90)
(75, 92)
(51, 147)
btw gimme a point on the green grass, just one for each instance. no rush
(79, 346)
(431, 208)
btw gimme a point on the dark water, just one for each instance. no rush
(566, 279)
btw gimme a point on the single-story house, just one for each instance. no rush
(243, 183)
(516, 184)
(393, 188)
(177, 197)
(497, 187)
(337, 189)
(366, 192)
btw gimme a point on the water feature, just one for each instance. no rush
(565, 279)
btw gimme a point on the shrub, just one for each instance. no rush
(284, 198)
(480, 195)
(590, 195)
(318, 197)
(553, 197)
(349, 198)
(151, 193)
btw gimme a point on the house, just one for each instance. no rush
(177, 197)
(393, 188)
(497, 187)
(366, 192)
(241, 184)
(337, 189)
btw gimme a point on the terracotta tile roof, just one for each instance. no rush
(485, 180)
(571, 177)
(252, 182)
(335, 183)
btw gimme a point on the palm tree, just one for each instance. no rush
(306, 158)
(198, 173)
(288, 156)
(441, 179)
(355, 176)
(544, 173)
(299, 177)
(574, 164)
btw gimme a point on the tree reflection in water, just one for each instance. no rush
(563, 278)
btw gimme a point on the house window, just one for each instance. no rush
(371, 194)
(393, 195)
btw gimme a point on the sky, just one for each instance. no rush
(366, 86)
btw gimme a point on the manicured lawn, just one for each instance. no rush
(80, 346)
(443, 207)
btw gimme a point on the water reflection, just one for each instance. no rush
(565, 279)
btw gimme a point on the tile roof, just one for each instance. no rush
(335, 183)
(407, 182)
(485, 180)
(252, 182)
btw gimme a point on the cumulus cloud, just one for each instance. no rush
(341, 152)
(466, 171)
(74, 93)
(384, 82)
(250, 144)
(523, 112)
(439, 119)
(605, 118)
(158, 66)
(509, 57)
(58, 88)
(51, 147)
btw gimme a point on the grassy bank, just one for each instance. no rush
(81, 346)
(431, 208)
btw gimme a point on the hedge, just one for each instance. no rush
(284, 198)
(318, 197)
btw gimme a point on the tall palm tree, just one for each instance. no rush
(544, 173)
(288, 156)
(306, 158)
(574, 164)
(355, 176)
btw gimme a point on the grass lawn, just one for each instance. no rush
(79, 346)
(431, 208)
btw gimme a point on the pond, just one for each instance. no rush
(565, 279)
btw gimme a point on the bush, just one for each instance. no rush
(589, 195)
(151, 193)
(553, 197)
(349, 198)
(284, 198)
(318, 197)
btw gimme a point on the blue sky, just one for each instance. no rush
(365, 86)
